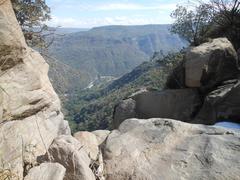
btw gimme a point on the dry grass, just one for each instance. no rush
(97, 167)
(7, 174)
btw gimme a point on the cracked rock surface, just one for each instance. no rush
(30, 112)
(168, 149)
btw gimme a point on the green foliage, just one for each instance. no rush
(93, 109)
(191, 24)
(32, 15)
(213, 19)
(225, 20)
(88, 55)
(64, 78)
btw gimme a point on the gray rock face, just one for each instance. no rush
(176, 79)
(210, 63)
(176, 104)
(30, 114)
(238, 54)
(70, 153)
(46, 171)
(166, 149)
(221, 104)
(210, 68)
(89, 142)
(124, 110)
(101, 135)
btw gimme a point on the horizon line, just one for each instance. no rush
(111, 26)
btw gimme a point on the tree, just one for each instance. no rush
(32, 15)
(191, 24)
(225, 15)
(217, 18)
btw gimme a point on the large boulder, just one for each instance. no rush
(69, 152)
(89, 142)
(30, 112)
(178, 104)
(221, 104)
(210, 63)
(156, 149)
(46, 171)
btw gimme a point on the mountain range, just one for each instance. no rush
(109, 50)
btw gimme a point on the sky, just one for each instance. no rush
(93, 13)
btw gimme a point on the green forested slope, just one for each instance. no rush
(64, 78)
(92, 109)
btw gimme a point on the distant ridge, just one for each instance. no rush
(112, 50)
(70, 30)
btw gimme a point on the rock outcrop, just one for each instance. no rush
(156, 149)
(69, 152)
(32, 126)
(91, 144)
(203, 88)
(210, 64)
(30, 109)
(35, 141)
(169, 149)
(221, 104)
(175, 104)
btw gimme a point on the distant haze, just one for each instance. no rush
(93, 13)
(113, 50)
(70, 30)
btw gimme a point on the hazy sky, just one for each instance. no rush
(92, 13)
